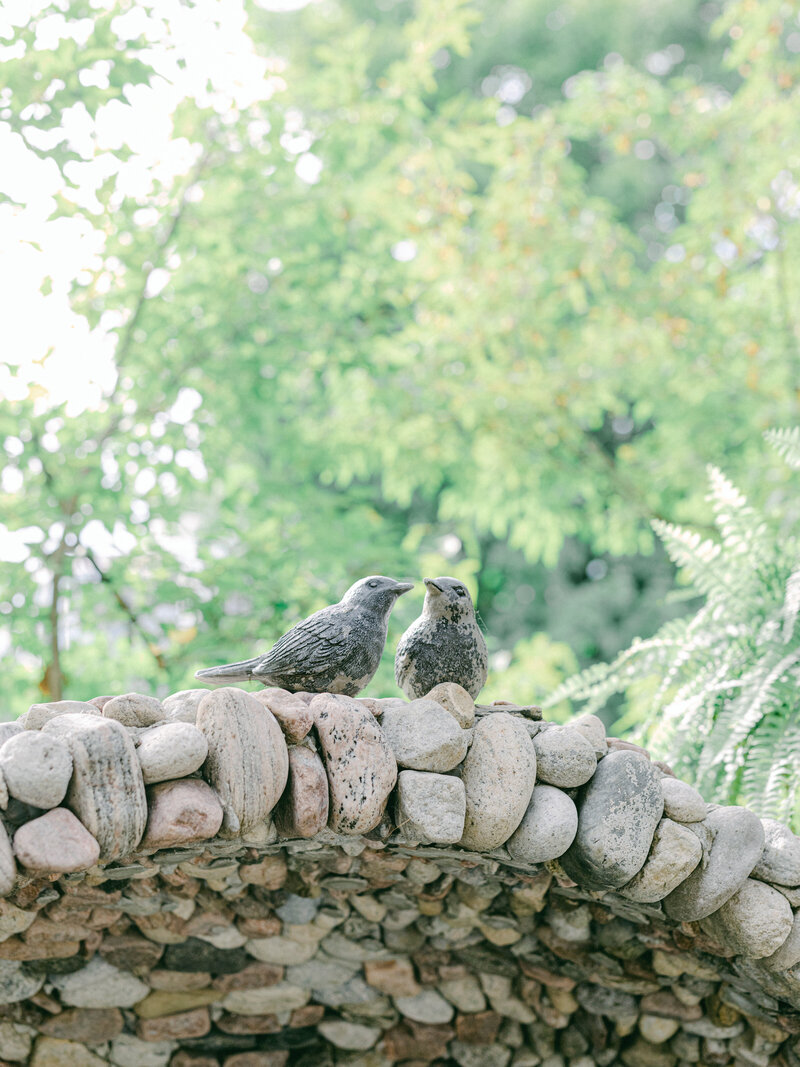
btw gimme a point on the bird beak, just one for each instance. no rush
(403, 587)
(430, 585)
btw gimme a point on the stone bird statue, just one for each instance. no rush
(445, 643)
(335, 650)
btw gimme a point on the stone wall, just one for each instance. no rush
(261, 880)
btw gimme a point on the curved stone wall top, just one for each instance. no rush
(281, 875)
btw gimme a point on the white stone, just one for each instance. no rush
(38, 714)
(430, 808)
(15, 1042)
(170, 750)
(424, 736)
(15, 984)
(426, 1007)
(780, 860)
(134, 709)
(682, 802)
(130, 1051)
(37, 768)
(100, 985)
(547, 829)
(465, 993)
(182, 706)
(564, 757)
(498, 775)
(674, 854)
(592, 728)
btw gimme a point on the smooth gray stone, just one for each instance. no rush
(423, 736)
(737, 840)
(564, 757)
(780, 860)
(37, 768)
(430, 807)
(674, 854)
(755, 922)
(618, 812)
(39, 714)
(548, 826)
(682, 802)
(16, 984)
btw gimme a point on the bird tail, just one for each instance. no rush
(228, 672)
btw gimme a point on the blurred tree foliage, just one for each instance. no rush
(409, 288)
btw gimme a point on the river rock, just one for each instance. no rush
(37, 768)
(780, 860)
(134, 709)
(617, 816)
(682, 802)
(16, 983)
(788, 954)
(498, 775)
(426, 1007)
(674, 854)
(564, 757)
(56, 843)
(182, 706)
(345, 1035)
(737, 841)
(170, 750)
(247, 764)
(105, 769)
(8, 868)
(181, 813)
(276, 998)
(430, 808)
(455, 699)
(99, 985)
(293, 714)
(754, 922)
(302, 811)
(591, 727)
(425, 737)
(8, 730)
(358, 760)
(38, 714)
(547, 829)
(56, 1052)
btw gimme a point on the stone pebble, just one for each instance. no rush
(99, 985)
(182, 706)
(547, 829)
(38, 714)
(56, 843)
(303, 808)
(618, 813)
(37, 768)
(424, 737)
(682, 802)
(754, 922)
(498, 773)
(16, 983)
(592, 728)
(134, 709)
(428, 1007)
(673, 856)
(105, 768)
(181, 813)
(564, 757)
(455, 699)
(430, 808)
(358, 761)
(56, 1052)
(349, 1036)
(780, 858)
(736, 841)
(247, 763)
(170, 750)
(787, 955)
(293, 714)
(8, 730)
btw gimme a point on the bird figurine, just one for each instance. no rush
(445, 643)
(335, 650)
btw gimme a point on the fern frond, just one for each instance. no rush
(787, 444)
(791, 605)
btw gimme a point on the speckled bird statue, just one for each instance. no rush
(445, 644)
(335, 650)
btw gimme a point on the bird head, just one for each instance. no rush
(377, 592)
(448, 598)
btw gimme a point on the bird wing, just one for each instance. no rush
(311, 646)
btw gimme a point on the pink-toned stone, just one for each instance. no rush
(269, 873)
(247, 759)
(195, 1023)
(359, 762)
(254, 976)
(395, 977)
(56, 843)
(302, 811)
(292, 713)
(181, 812)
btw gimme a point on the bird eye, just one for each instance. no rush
(373, 585)
(461, 591)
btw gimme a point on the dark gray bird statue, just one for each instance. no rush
(335, 650)
(445, 643)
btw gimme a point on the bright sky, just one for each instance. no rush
(199, 51)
